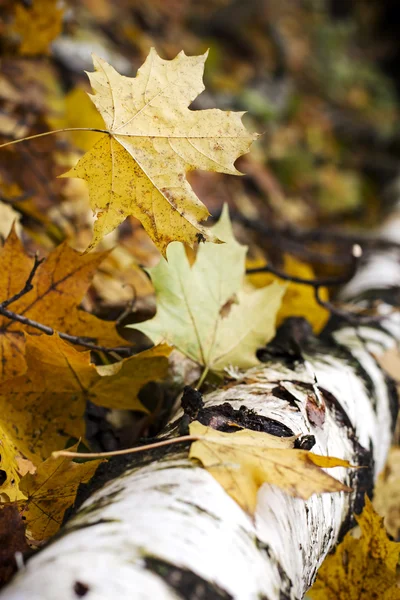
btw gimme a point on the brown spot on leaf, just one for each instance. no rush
(226, 308)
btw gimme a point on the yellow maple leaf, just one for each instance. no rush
(50, 491)
(299, 300)
(58, 286)
(204, 311)
(38, 25)
(41, 409)
(242, 461)
(139, 168)
(361, 568)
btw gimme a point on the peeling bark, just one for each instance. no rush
(164, 528)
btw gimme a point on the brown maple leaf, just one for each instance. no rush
(59, 285)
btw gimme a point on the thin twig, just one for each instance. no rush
(73, 339)
(178, 440)
(28, 285)
(315, 283)
(350, 317)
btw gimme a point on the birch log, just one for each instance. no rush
(164, 529)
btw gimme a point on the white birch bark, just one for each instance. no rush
(164, 528)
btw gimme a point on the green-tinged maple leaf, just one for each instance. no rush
(204, 311)
(140, 167)
(242, 461)
(50, 491)
(41, 409)
(362, 568)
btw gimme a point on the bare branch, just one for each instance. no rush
(28, 285)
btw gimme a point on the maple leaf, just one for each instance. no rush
(242, 461)
(50, 491)
(38, 25)
(299, 299)
(41, 409)
(139, 168)
(59, 285)
(362, 568)
(203, 309)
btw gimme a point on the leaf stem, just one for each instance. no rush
(178, 440)
(39, 135)
(202, 378)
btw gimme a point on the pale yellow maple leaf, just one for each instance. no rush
(139, 167)
(242, 461)
(204, 311)
(362, 568)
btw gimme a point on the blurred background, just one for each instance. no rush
(318, 77)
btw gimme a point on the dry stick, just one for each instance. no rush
(178, 440)
(315, 283)
(39, 135)
(353, 318)
(73, 339)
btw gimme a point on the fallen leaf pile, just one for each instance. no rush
(41, 409)
(46, 382)
(363, 568)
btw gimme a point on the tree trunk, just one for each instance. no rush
(164, 528)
